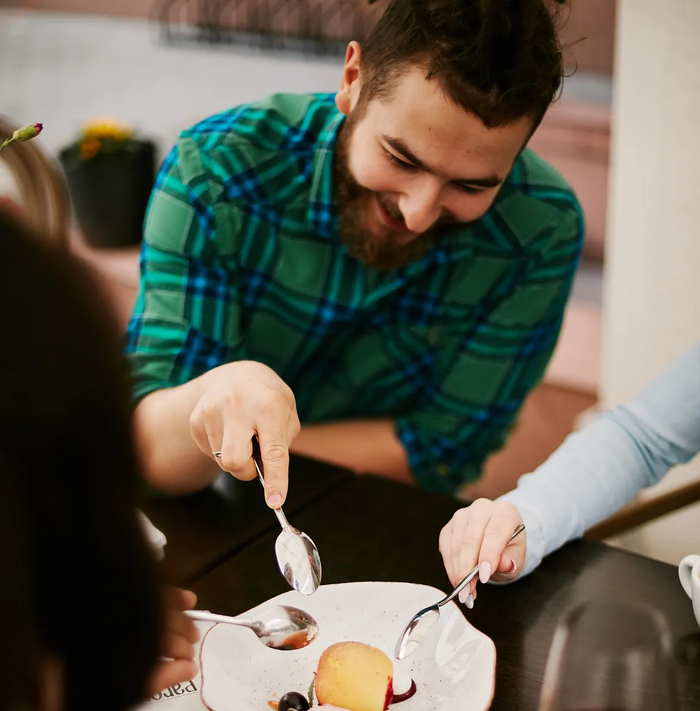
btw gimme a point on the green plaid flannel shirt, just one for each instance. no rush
(242, 259)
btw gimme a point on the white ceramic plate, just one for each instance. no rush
(454, 669)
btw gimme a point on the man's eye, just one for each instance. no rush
(400, 163)
(469, 189)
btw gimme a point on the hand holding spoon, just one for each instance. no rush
(422, 622)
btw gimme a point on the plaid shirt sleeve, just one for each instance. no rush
(484, 375)
(186, 320)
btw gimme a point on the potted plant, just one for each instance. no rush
(110, 174)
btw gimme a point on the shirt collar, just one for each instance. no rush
(323, 212)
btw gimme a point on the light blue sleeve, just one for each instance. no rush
(598, 470)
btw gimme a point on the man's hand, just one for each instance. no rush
(236, 402)
(480, 534)
(180, 636)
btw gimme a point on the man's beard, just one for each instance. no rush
(353, 202)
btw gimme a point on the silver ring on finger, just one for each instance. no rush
(217, 454)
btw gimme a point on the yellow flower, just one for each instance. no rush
(107, 128)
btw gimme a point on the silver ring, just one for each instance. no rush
(217, 454)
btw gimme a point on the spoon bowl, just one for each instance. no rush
(298, 560)
(297, 555)
(417, 631)
(279, 626)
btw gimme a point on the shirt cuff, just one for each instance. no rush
(437, 463)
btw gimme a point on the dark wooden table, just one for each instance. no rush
(368, 528)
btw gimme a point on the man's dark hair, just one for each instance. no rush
(498, 59)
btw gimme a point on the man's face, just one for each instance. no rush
(412, 162)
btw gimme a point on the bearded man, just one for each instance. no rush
(375, 278)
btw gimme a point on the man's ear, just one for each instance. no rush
(350, 80)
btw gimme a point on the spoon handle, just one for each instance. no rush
(473, 573)
(257, 459)
(203, 616)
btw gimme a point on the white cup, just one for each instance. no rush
(689, 574)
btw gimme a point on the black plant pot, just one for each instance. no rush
(110, 193)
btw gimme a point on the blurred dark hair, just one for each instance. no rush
(498, 59)
(79, 585)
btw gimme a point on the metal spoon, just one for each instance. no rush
(278, 626)
(421, 624)
(297, 555)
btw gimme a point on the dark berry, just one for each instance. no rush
(293, 701)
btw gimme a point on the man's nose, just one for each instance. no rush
(421, 207)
